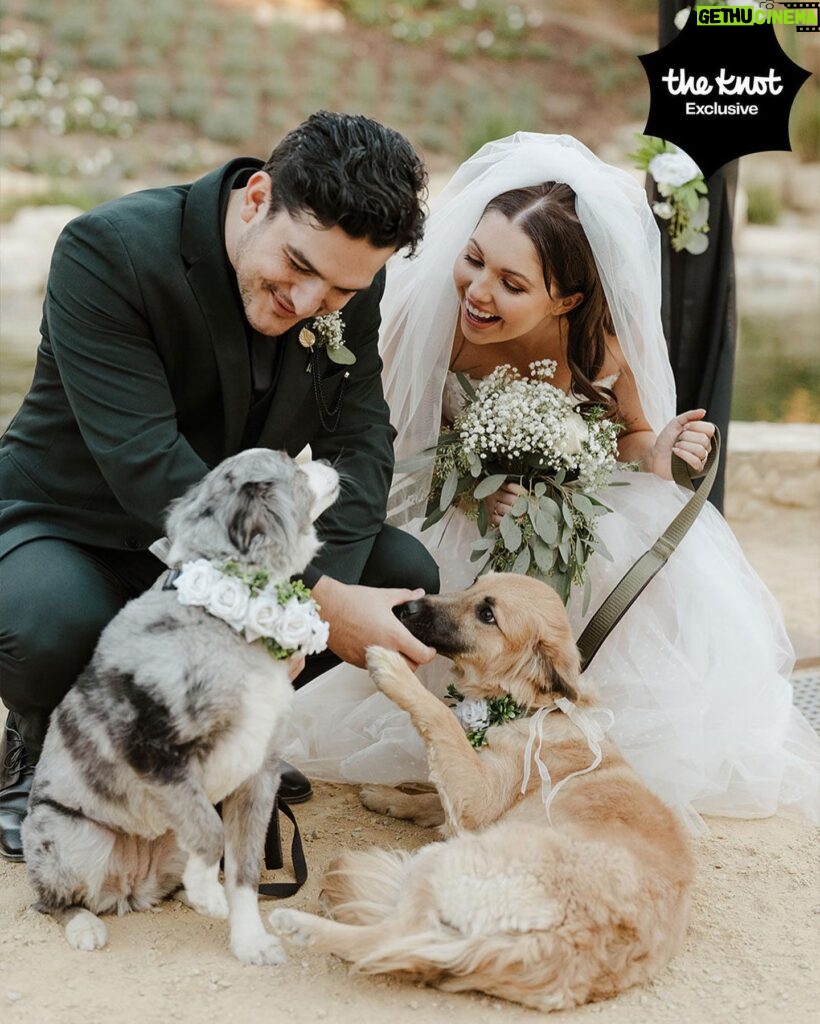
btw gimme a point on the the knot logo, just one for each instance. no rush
(719, 95)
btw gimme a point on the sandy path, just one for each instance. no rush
(751, 954)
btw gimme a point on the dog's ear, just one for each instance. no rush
(249, 515)
(558, 672)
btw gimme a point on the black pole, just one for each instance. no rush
(698, 298)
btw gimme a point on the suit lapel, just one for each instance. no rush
(209, 277)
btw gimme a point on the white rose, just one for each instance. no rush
(294, 626)
(473, 714)
(229, 601)
(264, 613)
(577, 432)
(673, 168)
(195, 581)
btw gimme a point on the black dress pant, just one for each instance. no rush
(57, 596)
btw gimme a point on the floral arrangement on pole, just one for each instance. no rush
(559, 448)
(682, 189)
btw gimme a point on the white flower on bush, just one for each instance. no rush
(673, 168)
(195, 581)
(295, 624)
(229, 600)
(472, 714)
(262, 619)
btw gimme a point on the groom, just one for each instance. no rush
(170, 340)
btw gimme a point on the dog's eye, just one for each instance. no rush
(485, 614)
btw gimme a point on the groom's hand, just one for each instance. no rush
(363, 616)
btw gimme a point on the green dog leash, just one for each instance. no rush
(632, 583)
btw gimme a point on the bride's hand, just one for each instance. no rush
(500, 503)
(360, 616)
(689, 436)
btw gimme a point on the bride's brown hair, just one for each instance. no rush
(546, 213)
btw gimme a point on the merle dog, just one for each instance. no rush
(175, 713)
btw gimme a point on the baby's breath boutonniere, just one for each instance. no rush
(682, 190)
(476, 716)
(328, 332)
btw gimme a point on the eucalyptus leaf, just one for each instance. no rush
(551, 507)
(414, 462)
(489, 485)
(544, 555)
(448, 490)
(546, 527)
(559, 477)
(566, 512)
(466, 385)
(341, 355)
(579, 551)
(475, 465)
(522, 562)
(433, 518)
(563, 551)
(587, 594)
(583, 504)
(483, 521)
(484, 543)
(540, 489)
(519, 505)
(511, 534)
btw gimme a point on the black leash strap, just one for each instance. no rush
(273, 855)
(633, 582)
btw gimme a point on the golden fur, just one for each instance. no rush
(549, 916)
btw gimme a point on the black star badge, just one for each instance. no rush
(719, 91)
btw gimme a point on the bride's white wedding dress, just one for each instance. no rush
(696, 673)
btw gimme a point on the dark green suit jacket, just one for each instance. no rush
(143, 383)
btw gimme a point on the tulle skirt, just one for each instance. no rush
(696, 674)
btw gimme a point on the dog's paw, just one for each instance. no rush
(210, 902)
(385, 667)
(292, 924)
(259, 950)
(379, 799)
(85, 931)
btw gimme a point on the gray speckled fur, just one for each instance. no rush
(175, 713)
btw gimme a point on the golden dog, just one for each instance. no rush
(546, 909)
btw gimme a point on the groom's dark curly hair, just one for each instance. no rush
(351, 172)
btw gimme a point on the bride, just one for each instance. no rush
(538, 250)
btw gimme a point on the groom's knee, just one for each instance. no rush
(400, 560)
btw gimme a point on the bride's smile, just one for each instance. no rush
(500, 284)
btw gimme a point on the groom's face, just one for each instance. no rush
(289, 268)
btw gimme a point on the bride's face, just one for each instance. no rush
(500, 284)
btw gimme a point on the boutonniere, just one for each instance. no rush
(327, 332)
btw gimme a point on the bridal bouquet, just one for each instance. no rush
(528, 431)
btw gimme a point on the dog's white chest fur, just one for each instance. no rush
(240, 753)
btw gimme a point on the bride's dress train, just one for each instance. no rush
(696, 673)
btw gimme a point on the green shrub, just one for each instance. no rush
(763, 205)
(229, 121)
(107, 53)
(152, 95)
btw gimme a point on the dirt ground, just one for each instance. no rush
(750, 958)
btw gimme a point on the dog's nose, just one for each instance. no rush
(409, 610)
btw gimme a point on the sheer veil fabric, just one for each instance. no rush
(697, 671)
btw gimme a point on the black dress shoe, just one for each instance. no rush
(15, 779)
(294, 787)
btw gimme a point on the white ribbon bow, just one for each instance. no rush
(593, 733)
